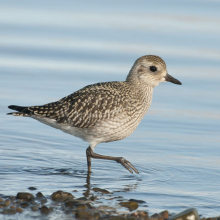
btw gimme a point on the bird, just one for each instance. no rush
(106, 111)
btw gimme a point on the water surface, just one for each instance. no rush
(48, 51)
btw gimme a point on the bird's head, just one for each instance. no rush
(151, 70)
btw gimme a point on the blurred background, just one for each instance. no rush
(49, 49)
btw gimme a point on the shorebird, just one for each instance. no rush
(104, 112)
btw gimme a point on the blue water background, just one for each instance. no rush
(49, 49)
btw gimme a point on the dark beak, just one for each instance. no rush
(171, 79)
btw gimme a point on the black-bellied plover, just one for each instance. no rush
(104, 112)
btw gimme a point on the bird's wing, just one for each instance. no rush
(86, 107)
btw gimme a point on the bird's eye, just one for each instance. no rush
(153, 68)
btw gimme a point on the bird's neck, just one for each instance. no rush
(145, 94)
(142, 92)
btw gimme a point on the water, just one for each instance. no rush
(49, 50)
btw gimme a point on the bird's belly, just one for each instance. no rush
(82, 133)
(117, 128)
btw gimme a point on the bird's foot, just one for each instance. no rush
(125, 163)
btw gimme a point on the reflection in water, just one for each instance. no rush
(87, 192)
(86, 186)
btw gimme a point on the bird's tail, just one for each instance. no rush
(22, 111)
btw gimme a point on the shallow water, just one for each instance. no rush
(49, 51)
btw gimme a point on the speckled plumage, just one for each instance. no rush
(103, 112)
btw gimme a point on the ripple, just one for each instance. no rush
(46, 171)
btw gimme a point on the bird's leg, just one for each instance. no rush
(88, 173)
(89, 157)
(125, 163)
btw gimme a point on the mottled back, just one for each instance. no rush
(87, 106)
